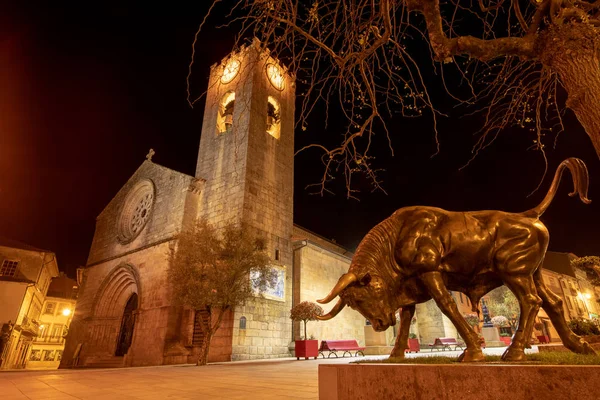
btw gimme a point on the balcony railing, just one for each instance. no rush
(50, 339)
(29, 327)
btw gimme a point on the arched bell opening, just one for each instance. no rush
(226, 109)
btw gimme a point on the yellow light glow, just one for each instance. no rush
(41, 326)
(230, 71)
(66, 312)
(275, 75)
(587, 296)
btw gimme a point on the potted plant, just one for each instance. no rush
(506, 338)
(413, 343)
(306, 311)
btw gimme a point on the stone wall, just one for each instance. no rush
(105, 291)
(249, 178)
(320, 270)
(173, 193)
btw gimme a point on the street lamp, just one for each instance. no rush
(66, 312)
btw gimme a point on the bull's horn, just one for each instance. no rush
(334, 311)
(342, 283)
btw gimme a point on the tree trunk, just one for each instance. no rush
(572, 51)
(203, 354)
(305, 337)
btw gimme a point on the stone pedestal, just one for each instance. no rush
(457, 382)
(492, 337)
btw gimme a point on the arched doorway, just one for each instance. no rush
(127, 324)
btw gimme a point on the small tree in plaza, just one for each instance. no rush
(472, 319)
(305, 311)
(211, 271)
(500, 321)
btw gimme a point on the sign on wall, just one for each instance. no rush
(275, 292)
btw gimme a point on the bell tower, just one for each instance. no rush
(246, 157)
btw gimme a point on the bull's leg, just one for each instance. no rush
(524, 289)
(553, 305)
(406, 315)
(437, 289)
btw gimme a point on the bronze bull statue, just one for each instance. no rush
(421, 253)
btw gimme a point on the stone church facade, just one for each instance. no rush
(125, 315)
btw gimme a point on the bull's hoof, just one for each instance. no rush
(471, 356)
(587, 349)
(512, 354)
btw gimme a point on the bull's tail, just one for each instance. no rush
(579, 173)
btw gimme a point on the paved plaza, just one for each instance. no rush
(264, 379)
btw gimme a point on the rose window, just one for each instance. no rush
(136, 211)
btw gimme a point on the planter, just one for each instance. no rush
(457, 382)
(413, 345)
(543, 339)
(506, 340)
(307, 348)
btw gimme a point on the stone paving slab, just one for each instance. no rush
(262, 379)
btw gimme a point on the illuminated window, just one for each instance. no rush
(9, 268)
(273, 117)
(50, 307)
(225, 117)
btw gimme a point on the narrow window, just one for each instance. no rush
(50, 307)
(243, 323)
(276, 254)
(461, 298)
(9, 268)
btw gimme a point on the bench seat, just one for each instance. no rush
(345, 346)
(446, 344)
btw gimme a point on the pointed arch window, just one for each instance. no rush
(226, 109)
(273, 117)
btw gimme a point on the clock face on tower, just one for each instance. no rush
(231, 70)
(275, 75)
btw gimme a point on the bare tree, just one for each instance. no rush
(217, 271)
(362, 57)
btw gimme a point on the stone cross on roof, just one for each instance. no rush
(150, 154)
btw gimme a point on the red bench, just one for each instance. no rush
(347, 346)
(445, 343)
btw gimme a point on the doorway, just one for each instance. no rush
(127, 325)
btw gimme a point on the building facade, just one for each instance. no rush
(57, 311)
(25, 274)
(572, 286)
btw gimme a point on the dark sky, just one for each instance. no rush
(86, 90)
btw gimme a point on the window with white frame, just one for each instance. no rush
(9, 268)
(50, 308)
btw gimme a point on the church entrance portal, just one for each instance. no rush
(127, 325)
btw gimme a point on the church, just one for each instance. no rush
(125, 315)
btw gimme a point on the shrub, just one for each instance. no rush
(472, 319)
(500, 321)
(583, 326)
(412, 336)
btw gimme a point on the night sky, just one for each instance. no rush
(85, 92)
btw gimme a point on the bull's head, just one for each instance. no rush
(369, 295)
